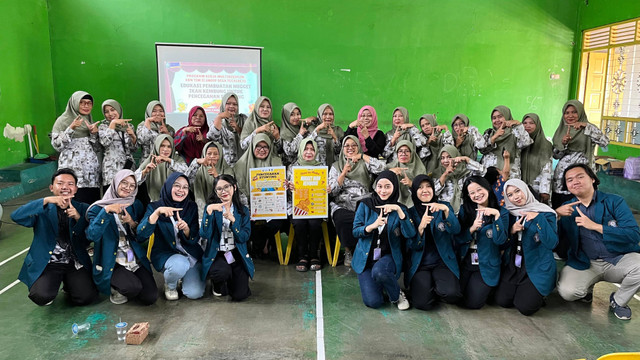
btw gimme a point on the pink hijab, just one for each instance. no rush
(373, 126)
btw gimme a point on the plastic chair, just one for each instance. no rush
(150, 246)
(336, 252)
(621, 356)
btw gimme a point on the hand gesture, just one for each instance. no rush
(125, 217)
(212, 171)
(506, 155)
(433, 207)
(499, 132)
(477, 223)
(406, 126)
(567, 137)
(266, 128)
(518, 225)
(181, 225)
(72, 212)
(405, 179)
(130, 131)
(226, 115)
(214, 207)
(331, 132)
(492, 211)
(163, 129)
(585, 222)
(433, 138)
(78, 121)
(167, 211)
(460, 139)
(60, 201)
(354, 124)
(199, 137)
(380, 220)
(365, 131)
(190, 129)
(347, 167)
(275, 132)
(388, 209)
(567, 209)
(228, 214)
(114, 208)
(530, 215)
(425, 221)
(398, 170)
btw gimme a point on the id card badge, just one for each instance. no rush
(130, 256)
(377, 252)
(229, 256)
(518, 260)
(474, 258)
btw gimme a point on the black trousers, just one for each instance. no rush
(557, 199)
(308, 233)
(230, 279)
(261, 232)
(432, 282)
(524, 296)
(78, 283)
(343, 220)
(474, 290)
(87, 195)
(137, 284)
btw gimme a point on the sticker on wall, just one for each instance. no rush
(14, 133)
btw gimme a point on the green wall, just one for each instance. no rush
(26, 79)
(592, 14)
(429, 56)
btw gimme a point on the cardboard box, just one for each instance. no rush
(138, 333)
(609, 165)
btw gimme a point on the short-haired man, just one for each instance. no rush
(58, 252)
(603, 242)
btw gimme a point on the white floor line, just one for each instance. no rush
(12, 285)
(319, 317)
(14, 256)
(635, 296)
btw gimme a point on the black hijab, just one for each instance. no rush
(417, 203)
(374, 200)
(189, 208)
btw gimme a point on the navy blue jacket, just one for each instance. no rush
(103, 231)
(397, 231)
(620, 232)
(164, 244)
(211, 230)
(442, 230)
(539, 238)
(489, 239)
(44, 221)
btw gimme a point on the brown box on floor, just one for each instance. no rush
(138, 333)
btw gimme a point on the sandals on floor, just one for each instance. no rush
(302, 265)
(315, 265)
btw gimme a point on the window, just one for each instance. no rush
(610, 80)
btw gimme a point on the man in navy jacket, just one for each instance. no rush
(58, 252)
(603, 242)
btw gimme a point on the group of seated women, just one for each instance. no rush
(456, 226)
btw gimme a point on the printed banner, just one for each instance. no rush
(268, 196)
(310, 200)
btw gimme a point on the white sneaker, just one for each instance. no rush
(117, 298)
(170, 294)
(347, 257)
(403, 303)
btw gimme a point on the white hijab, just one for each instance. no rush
(531, 205)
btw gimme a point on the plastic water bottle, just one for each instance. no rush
(75, 328)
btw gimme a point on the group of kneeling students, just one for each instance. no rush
(487, 249)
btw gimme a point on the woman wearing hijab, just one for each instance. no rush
(259, 155)
(153, 125)
(466, 138)
(382, 226)
(452, 173)
(573, 143)
(401, 129)
(204, 170)
(529, 269)
(190, 140)
(118, 139)
(406, 166)
(484, 225)
(537, 158)
(506, 134)
(176, 252)
(75, 137)
(434, 137)
(308, 231)
(227, 127)
(433, 272)
(120, 265)
(261, 122)
(328, 136)
(155, 169)
(372, 140)
(294, 130)
(227, 228)
(350, 181)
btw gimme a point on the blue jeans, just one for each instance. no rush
(176, 268)
(381, 276)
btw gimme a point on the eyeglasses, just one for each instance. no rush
(128, 185)
(350, 146)
(406, 152)
(178, 187)
(226, 188)
(262, 147)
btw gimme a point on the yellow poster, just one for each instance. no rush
(268, 196)
(310, 200)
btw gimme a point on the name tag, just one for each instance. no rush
(229, 256)
(474, 258)
(377, 252)
(518, 260)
